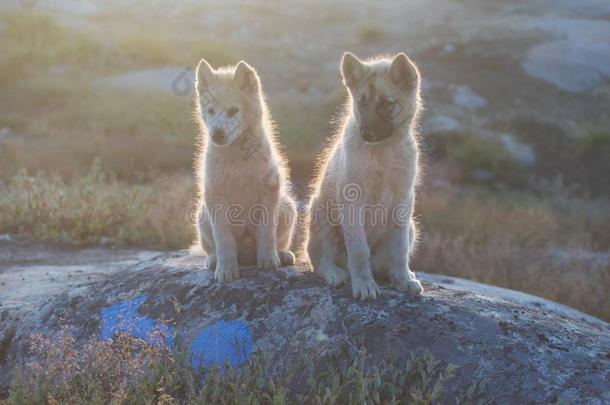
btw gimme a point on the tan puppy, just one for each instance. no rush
(246, 214)
(360, 213)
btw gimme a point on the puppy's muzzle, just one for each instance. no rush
(373, 137)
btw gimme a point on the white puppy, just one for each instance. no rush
(246, 214)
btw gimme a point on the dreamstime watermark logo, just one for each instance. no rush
(324, 215)
(248, 144)
(220, 117)
(226, 121)
(207, 100)
(240, 216)
(193, 213)
(248, 83)
(351, 192)
(183, 85)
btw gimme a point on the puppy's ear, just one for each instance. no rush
(403, 72)
(246, 78)
(204, 74)
(352, 70)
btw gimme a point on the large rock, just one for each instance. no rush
(578, 60)
(532, 350)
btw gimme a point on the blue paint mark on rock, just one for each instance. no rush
(124, 318)
(222, 342)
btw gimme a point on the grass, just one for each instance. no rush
(72, 121)
(143, 48)
(126, 370)
(370, 34)
(509, 239)
(578, 158)
(97, 209)
(473, 154)
(515, 240)
(594, 145)
(33, 41)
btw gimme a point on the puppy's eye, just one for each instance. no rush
(232, 111)
(211, 111)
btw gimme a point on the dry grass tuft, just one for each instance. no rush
(126, 370)
(98, 209)
(547, 247)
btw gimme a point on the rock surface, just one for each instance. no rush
(531, 349)
(465, 98)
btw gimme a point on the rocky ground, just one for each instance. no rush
(530, 349)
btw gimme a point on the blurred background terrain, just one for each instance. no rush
(97, 134)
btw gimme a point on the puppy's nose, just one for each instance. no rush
(218, 135)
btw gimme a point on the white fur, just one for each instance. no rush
(242, 177)
(359, 176)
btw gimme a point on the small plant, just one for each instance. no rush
(480, 154)
(127, 370)
(520, 241)
(96, 208)
(370, 33)
(594, 145)
(349, 380)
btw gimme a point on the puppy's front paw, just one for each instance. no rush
(365, 289)
(286, 257)
(210, 262)
(411, 287)
(333, 275)
(406, 281)
(226, 272)
(268, 260)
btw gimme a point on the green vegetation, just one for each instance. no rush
(32, 42)
(578, 158)
(474, 153)
(532, 130)
(594, 145)
(126, 371)
(370, 34)
(66, 135)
